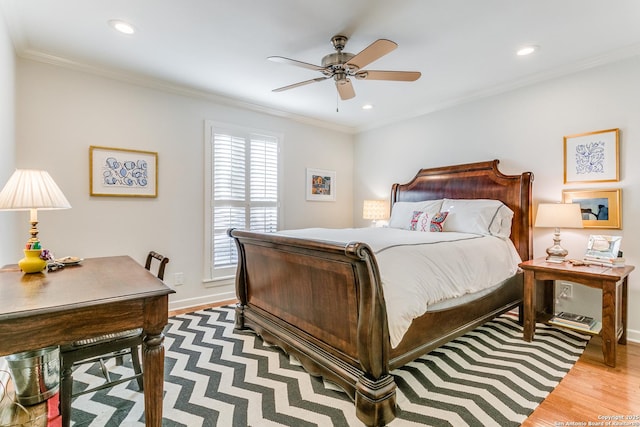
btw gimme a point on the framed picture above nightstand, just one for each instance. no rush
(600, 208)
(592, 156)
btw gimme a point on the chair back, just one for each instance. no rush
(163, 262)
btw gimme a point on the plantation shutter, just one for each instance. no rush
(245, 191)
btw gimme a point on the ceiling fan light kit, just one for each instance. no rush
(342, 65)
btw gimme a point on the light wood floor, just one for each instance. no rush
(592, 390)
(589, 392)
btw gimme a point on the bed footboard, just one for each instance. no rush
(321, 302)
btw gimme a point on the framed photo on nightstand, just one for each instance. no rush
(603, 247)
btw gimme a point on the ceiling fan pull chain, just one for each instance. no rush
(337, 103)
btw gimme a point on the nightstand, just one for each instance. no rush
(538, 303)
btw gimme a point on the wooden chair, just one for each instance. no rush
(99, 349)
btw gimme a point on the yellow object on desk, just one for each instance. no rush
(32, 263)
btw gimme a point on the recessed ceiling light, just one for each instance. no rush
(121, 26)
(527, 50)
(367, 107)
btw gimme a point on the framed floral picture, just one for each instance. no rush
(122, 172)
(592, 157)
(321, 185)
(599, 208)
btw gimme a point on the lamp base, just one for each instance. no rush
(557, 254)
(32, 263)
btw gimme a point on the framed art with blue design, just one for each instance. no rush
(120, 172)
(592, 157)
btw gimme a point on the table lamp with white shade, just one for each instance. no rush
(375, 210)
(558, 215)
(32, 190)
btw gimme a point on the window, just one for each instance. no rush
(242, 174)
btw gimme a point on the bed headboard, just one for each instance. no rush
(480, 180)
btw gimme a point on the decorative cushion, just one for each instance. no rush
(436, 224)
(478, 216)
(402, 212)
(421, 221)
(413, 224)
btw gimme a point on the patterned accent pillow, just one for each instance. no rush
(423, 222)
(420, 221)
(437, 221)
(413, 224)
(402, 212)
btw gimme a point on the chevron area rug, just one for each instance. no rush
(215, 376)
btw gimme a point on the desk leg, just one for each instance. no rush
(529, 306)
(609, 333)
(153, 375)
(153, 360)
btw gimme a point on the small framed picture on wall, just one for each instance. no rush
(592, 157)
(321, 185)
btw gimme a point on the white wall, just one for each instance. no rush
(524, 129)
(7, 137)
(61, 112)
(7, 151)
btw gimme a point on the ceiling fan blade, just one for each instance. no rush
(401, 76)
(284, 60)
(306, 82)
(375, 50)
(345, 89)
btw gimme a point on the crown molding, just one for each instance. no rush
(170, 87)
(166, 86)
(587, 64)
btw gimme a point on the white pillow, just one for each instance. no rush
(402, 212)
(478, 216)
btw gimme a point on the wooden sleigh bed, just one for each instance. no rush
(323, 302)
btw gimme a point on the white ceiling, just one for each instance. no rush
(465, 49)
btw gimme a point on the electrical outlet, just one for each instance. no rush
(178, 279)
(566, 290)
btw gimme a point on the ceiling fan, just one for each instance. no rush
(342, 65)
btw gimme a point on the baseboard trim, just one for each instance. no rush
(633, 335)
(184, 305)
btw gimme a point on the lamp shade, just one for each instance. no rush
(375, 209)
(32, 189)
(559, 215)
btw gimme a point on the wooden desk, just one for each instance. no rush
(99, 296)
(612, 282)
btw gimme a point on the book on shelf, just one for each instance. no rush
(604, 261)
(593, 329)
(573, 320)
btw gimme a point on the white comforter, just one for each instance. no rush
(420, 269)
